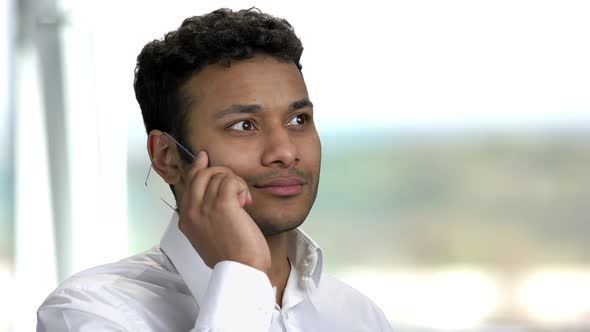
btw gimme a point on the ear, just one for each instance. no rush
(164, 157)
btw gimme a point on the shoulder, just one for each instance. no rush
(150, 267)
(334, 287)
(112, 284)
(335, 298)
(133, 293)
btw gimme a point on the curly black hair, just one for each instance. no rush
(165, 65)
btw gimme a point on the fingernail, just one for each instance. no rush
(242, 198)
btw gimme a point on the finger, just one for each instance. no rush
(230, 189)
(249, 199)
(243, 197)
(211, 192)
(200, 182)
(199, 164)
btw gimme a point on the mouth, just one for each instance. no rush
(282, 186)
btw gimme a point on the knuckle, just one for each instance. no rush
(218, 176)
(223, 169)
(238, 182)
(212, 172)
(226, 184)
(200, 172)
(192, 215)
(205, 209)
(197, 177)
(222, 205)
(204, 173)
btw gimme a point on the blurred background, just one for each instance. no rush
(456, 152)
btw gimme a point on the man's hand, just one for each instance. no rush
(213, 218)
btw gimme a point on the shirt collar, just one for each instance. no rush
(303, 252)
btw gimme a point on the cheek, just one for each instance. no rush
(311, 150)
(236, 157)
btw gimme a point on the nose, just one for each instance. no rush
(280, 151)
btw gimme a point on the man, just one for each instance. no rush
(230, 128)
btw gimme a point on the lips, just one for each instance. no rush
(282, 186)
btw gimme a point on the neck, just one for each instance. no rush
(280, 268)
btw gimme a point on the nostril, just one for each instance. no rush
(282, 163)
(280, 151)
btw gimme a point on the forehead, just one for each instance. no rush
(261, 80)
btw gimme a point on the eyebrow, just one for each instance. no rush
(301, 103)
(239, 109)
(256, 108)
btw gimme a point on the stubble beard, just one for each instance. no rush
(271, 225)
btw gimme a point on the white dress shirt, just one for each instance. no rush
(169, 288)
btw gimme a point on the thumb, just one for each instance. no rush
(243, 197)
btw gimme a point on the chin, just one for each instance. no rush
(269, 229)
(279, 216)
(277, 224)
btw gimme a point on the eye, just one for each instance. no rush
(298, 120)
(243, 125)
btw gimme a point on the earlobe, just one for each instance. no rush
(164, 157)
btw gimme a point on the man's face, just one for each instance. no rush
(255, 118)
